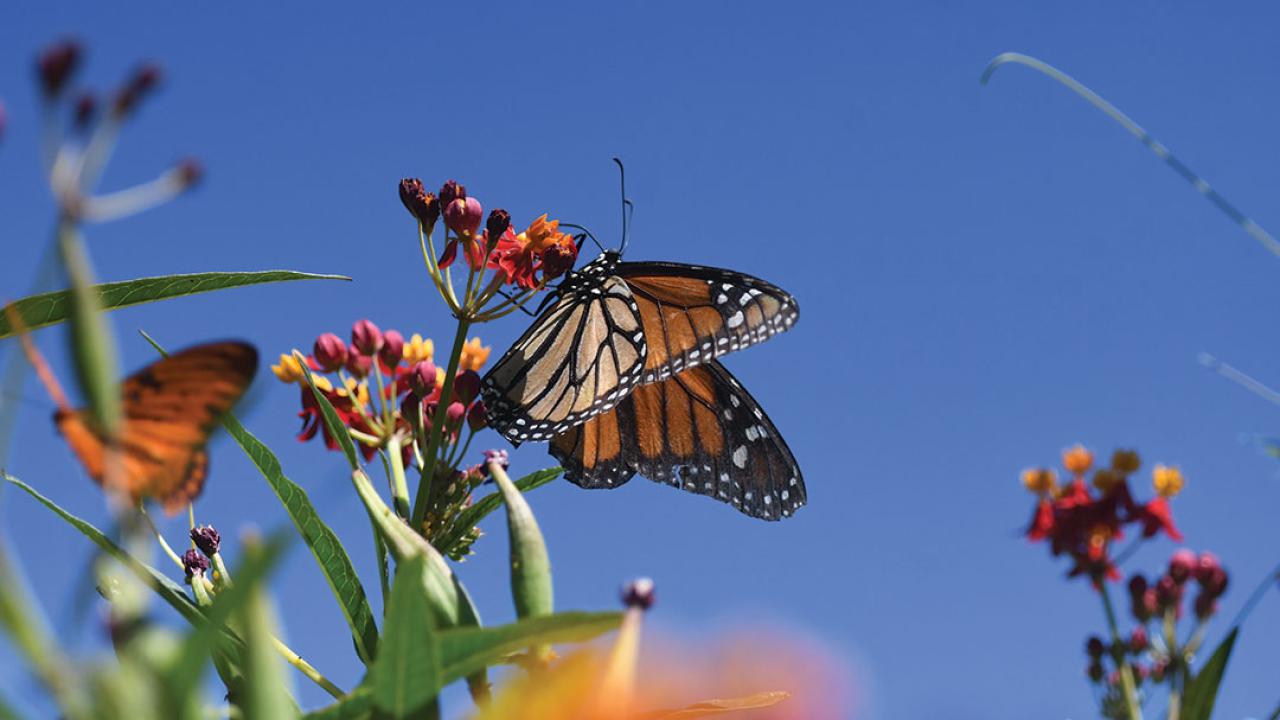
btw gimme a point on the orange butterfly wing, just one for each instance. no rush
(170, 409)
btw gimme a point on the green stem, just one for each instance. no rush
(399, 488)
(307, 669)
(221, 567)
(1127, 684)
(437, 425)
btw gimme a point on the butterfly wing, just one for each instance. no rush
(576, 360)
(692, 314)
(170, 409)
(698, 430)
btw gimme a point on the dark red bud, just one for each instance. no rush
(366, 337)
(454, 414)
(451, 191)
(56, 64)
(1205, 605)
(1094, 647)
(422, 378)
(477, 416)
(1181, 565)
(190, 172)
(559, 259)
(638, 593)
(358, 364)
(144, 81)
(392, 348)
(1095, 671)
(1138, 640)
(1140, 672)
(1205, 565)
(409, 408)
(330, 352)
(1158, 669)
(466, 386)
(207, 539)
(85, 110)
(193, 563)
(497, 224)
(420, 203)
(1215, 582)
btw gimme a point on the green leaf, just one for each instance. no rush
(167, 589)
(1202, 690)
(406, 675)
(40, 311)
(465, 650)
(530, 565)
(358, 705)
(469, 616)
(331, 420)
(320, 539)
(266, 695)
(472, 516)
(93, 349)
(7, 712)
(707, 708)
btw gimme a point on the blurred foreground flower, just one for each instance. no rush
(757, 675)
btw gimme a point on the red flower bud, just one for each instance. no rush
(56, 64)
(330, 352)
(1181, 565)
(453, 415)
(409, 409)
(1093, 647)
(1140, 672)
(451, 191)
(1095, 671)
(1205, 565)
(189, 171)
(496, 225)
(392, 348)
(477, 416)
(559, 258)
(1138, 641)
(463, 215)
(144, 81)
(1205, 605)
(366, 337)
(1215, 582)
(1158, 669)
(638, 593)
(1168, 593)
(420, 203)
(86, 108)
(357, 364)
(466, 386)
(422, 378)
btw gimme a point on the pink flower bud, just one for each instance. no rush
(463, 215)
(422, 378)
(497, 456)
(1181, 565)
(392, 348)
(453, 415)
(477, 416)
(1206, 564)
(330, 352)
(357, 364)
(1138, 641)
(1205, 606)
(366, 337)
(1214, 582)
(56, 64)
(466, 385)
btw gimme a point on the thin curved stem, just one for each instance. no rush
(1186, 173)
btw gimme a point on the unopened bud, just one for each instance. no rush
(194, 564)
(330, 352)
(56, 65)
(638, 593)
(366, 337)
(392, 351)
(207, 539)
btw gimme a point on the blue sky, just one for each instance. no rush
(986, 276)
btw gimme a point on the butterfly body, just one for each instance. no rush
(170, 409)
(613, 325)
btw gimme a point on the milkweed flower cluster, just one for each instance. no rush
(495, 253)
(1084, 519)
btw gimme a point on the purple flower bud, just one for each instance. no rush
(330, 352)
(357, 364)
(1168, 593)
(1095, 671)
(498, 456)
(56, 63)
(422, 378)
(638, 593)
(463, 215)
(453, 415)
(1181, 565)
(466, 386)
(193, 563)
(207, 539)
(392, 348)
(477, 416)
(1205, 605)
(1093, 647)
(366, 337)
(451, 191)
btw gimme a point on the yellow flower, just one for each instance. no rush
(1125, 461)
(288, 370)
(1077, 460)
(1040, 481)
(473, 355)
(1167, 480)
(1106, 478)
(358, 389)
(418, 349)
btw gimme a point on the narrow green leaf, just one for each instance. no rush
(267, 694)
(40, 311)
(465, 650)
(406, 675)
(472, 516)
(320, 539)
(93, 349)
(1202, 690)
(1275, 714)
(707, 708)
(358, 705)
(331, 420)
(530, 566)
(7, 712)
(469, 616)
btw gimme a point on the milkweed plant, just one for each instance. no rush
(392, 407)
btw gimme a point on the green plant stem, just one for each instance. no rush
(306, 668)
(1177, 663)
(423, 498)
(399, 487)
(1117, 654)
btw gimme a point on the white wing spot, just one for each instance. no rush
(740, 456)
(735, 319)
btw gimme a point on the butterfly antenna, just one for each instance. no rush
(631, 211)
(622, 182)
(36, 359)
(585, 234)
(521, 307)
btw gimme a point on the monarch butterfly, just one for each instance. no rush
(614, 325)
(170, 408)
(698, 430)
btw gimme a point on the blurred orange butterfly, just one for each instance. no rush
(170, 408)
